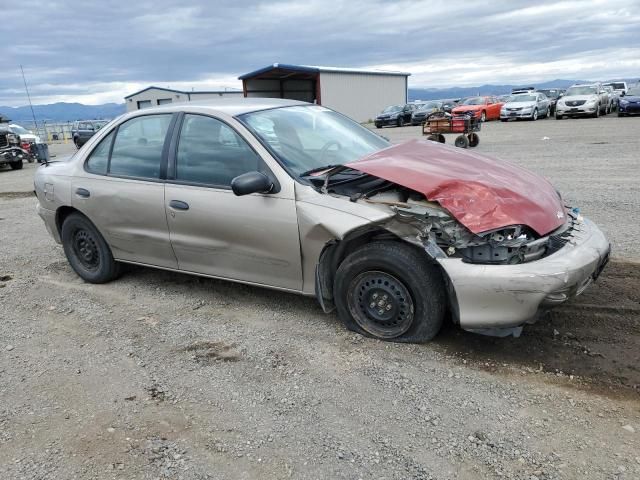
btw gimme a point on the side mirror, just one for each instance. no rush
(251, 182)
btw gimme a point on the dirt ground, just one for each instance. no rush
(162, 375)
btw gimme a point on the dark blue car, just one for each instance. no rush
(629, 103)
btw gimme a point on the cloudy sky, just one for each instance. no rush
(97, 52)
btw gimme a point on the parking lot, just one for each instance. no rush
(162, 375)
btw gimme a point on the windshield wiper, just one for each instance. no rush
(319, 169)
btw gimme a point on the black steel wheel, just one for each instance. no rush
(380, 304)
(474, 139)
(85, 248)
(87, 251)
(390, 291)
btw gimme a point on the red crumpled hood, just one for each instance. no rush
(480, 192)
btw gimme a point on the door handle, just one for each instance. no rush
(179, 205)
(83, 192)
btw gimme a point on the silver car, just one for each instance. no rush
(583, 100)
(296, 197)
(528, 106)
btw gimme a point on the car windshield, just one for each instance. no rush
(635, 91)
(550, 93)
(430, 105)
(474, 101)
(392, 109)
(581, 91)
(522, 98)
(19, 130)
(616, 85)
(305, 138)
(99, 125)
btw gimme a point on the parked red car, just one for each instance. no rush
(485, 108)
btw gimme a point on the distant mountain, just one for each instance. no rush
(63, 112)
(458, 92)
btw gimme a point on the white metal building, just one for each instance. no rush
(153, 96)
(357, 93)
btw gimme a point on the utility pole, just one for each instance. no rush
(35, 124)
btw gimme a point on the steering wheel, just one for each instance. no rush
(326, 147)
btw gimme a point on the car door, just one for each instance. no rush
(122, 192)
(252, 238)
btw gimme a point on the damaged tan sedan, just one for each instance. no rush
(297, 197)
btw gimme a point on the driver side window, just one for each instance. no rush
(211, 153)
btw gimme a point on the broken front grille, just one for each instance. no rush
(4, 141)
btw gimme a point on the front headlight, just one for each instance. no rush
(623, 101)
(591, 103)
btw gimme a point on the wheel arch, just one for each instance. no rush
(335, 251)
(62, 213)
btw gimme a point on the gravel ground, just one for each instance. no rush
(162, 375)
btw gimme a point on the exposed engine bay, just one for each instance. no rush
(429, 225)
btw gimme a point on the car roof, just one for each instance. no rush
(229, 106)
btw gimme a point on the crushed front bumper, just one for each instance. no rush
(506, 296)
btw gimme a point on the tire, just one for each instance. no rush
(16, 165)
(378, 126)
(504, 119)
(474, 139)
(433, 138)
(415, 307)
(620, 114)
(400, 121)
(534, 115)
(558, 117)
(462, 141)
(87, 251)
(483, 116)
(596, 114)
(76, 142)
(441, 138)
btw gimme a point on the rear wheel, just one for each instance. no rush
(16, 165)
(389, 290)
(474, 139)
(462, 141)
(87, 251)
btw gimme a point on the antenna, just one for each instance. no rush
(35, 124)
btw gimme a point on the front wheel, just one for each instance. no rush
(400, 122)
(558, 117)
(474, 139)
(16, 165)
(596, 114)
(483, 116)
(389, 291)
(87, 251)
(534, 115)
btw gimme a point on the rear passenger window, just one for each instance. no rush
(137, 150)
(212, 153)
(99, 158)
